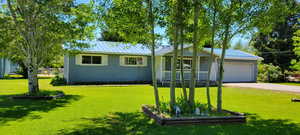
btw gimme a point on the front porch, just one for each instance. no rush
(164, 66)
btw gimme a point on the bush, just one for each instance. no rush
(58, 81)
(269, 73)
(185, 108)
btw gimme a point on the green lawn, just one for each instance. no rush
(290, 83)
(115, 110)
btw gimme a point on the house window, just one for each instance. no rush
(91, 59)
(187, 64)
(133, 61)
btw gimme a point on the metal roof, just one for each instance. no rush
(234, 54)
(108, 47)
(117, 48)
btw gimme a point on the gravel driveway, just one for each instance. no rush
(267, 86)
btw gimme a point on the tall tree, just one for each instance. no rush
(42, 27)
(134, 22)
(276, 47)
(182, 23)
(175, 42)
(273, 39)
(152, 43)
(235, 17)
(195, 52)
(213, 8)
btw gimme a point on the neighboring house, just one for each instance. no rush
(7, 67)
(113, 62)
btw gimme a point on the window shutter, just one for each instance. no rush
(145, 61)
(104, 59)
(122, 60)
(78, 59)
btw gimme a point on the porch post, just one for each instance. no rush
(198, 68)
(162, 68)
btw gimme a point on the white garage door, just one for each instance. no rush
(238, 72)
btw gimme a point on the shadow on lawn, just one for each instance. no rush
(14, 109)
(137, 124)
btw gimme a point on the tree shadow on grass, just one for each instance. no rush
(15, 109)
(137, 124)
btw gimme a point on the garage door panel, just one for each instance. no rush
(238, 72)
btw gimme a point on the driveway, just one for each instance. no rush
(266, 86)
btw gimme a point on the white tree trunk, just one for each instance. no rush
(195, 51)
(181, 67)
(210, 61)
(33, 84)
(154, 81)
(221, 69)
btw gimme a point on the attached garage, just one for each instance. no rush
(239, 71)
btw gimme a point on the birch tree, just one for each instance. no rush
(213, 8)
(152, 43)
(182, 26)
(237, 17)
(42, 28)
(175, 14)
(195, 51)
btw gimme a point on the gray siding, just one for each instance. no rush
(6, 67)
(113, 72)
(204, 63)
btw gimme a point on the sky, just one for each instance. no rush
(243, 38)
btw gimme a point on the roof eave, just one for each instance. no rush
(241, 58)
(115, 53)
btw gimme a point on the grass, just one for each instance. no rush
(90, 110)
(291, 83)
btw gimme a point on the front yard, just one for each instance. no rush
(115, 110)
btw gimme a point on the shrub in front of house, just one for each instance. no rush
(58, 81)
(185, 109)
(269, 73)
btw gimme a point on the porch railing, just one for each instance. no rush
(200, 75)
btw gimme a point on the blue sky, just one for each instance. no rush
(244, 39)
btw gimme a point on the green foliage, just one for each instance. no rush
(128, 20)
(186, 109)
(276, 47)
(58, 81)
(111, 36)
(296, 62)
(295, 65)
(269, 73)
(56, 24)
